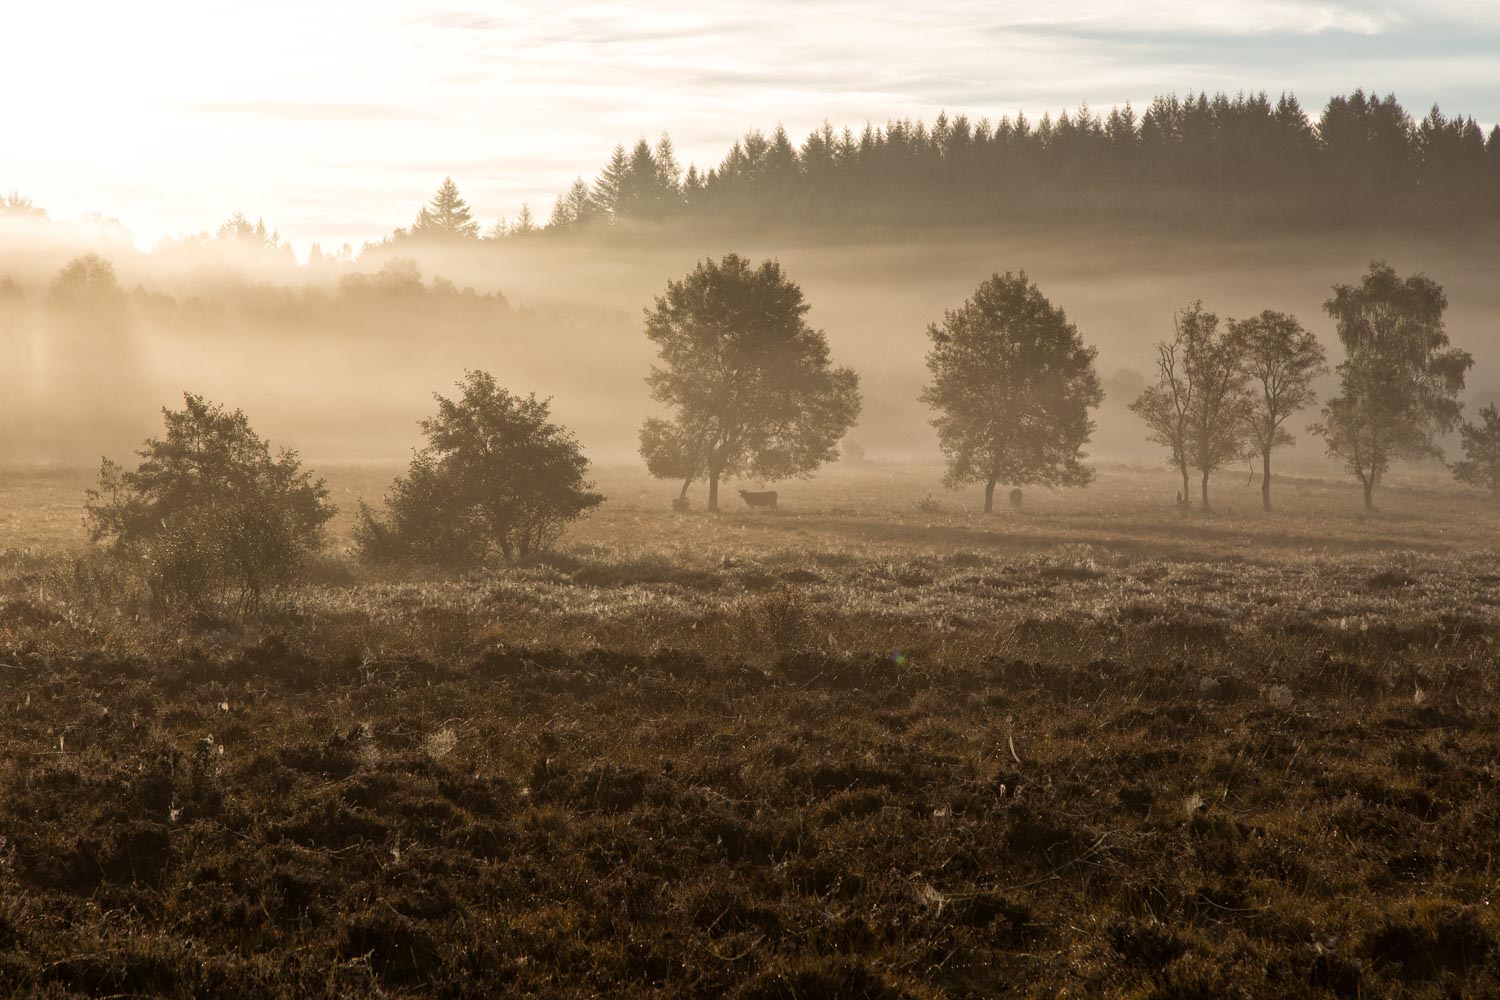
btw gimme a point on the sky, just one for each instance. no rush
(334, 121)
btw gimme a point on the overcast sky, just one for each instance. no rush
(335, 120)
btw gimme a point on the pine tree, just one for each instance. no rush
(446, 217)
(668, 177)
(574, 208)
(640, 193)
(525, 222)
(609, 186)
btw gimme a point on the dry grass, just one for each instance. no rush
(854, 748)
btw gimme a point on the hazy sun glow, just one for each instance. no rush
(334, 120)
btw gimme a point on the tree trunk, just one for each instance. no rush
(1369, 484)
(713, 491)
(1205, 491)
(685, 484)
(989, 497)
(1265, 481)
(1187, 489)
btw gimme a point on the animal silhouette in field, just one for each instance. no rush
(766, 499)
(1015, 498)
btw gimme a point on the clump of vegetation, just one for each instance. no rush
(210, 518)
(496, 476)
(1481, 443)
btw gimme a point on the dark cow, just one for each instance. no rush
(766, 499)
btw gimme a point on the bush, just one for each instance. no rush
(496, 475)
(210, 517)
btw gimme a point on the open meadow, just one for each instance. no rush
(873, 744)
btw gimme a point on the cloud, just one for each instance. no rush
(311, 111)
(1247, 17)
(460, 21)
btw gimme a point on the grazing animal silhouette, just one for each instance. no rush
(766, 499)
(1015, 498)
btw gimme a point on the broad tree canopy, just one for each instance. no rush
(1400, 378)
(751, 384)
(1013, 385)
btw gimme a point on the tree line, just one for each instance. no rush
(1203, 160)
(750, 389)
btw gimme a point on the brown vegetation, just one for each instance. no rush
(848, 749)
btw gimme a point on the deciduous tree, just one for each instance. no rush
(1281, 358)
(1400, 378)
(751, 383)
(1199, 405)
(1013, 384)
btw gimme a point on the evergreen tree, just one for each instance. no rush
(610, 185)
(669, 196)
(446, 217)
(525, 222)
(574, 208)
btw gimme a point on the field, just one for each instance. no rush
(875, 744)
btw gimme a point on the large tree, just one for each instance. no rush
(1200, 404)
(1281, 358)
(751, 383)
(1013, 385)
(1481, 463)
(1400, 378)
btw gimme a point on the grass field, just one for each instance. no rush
(869, 745)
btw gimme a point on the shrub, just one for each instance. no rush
(496, 475)
(210, 517)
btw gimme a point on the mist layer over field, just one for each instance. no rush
(338, 358)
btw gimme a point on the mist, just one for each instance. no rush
(777, 501)
(338, 358)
